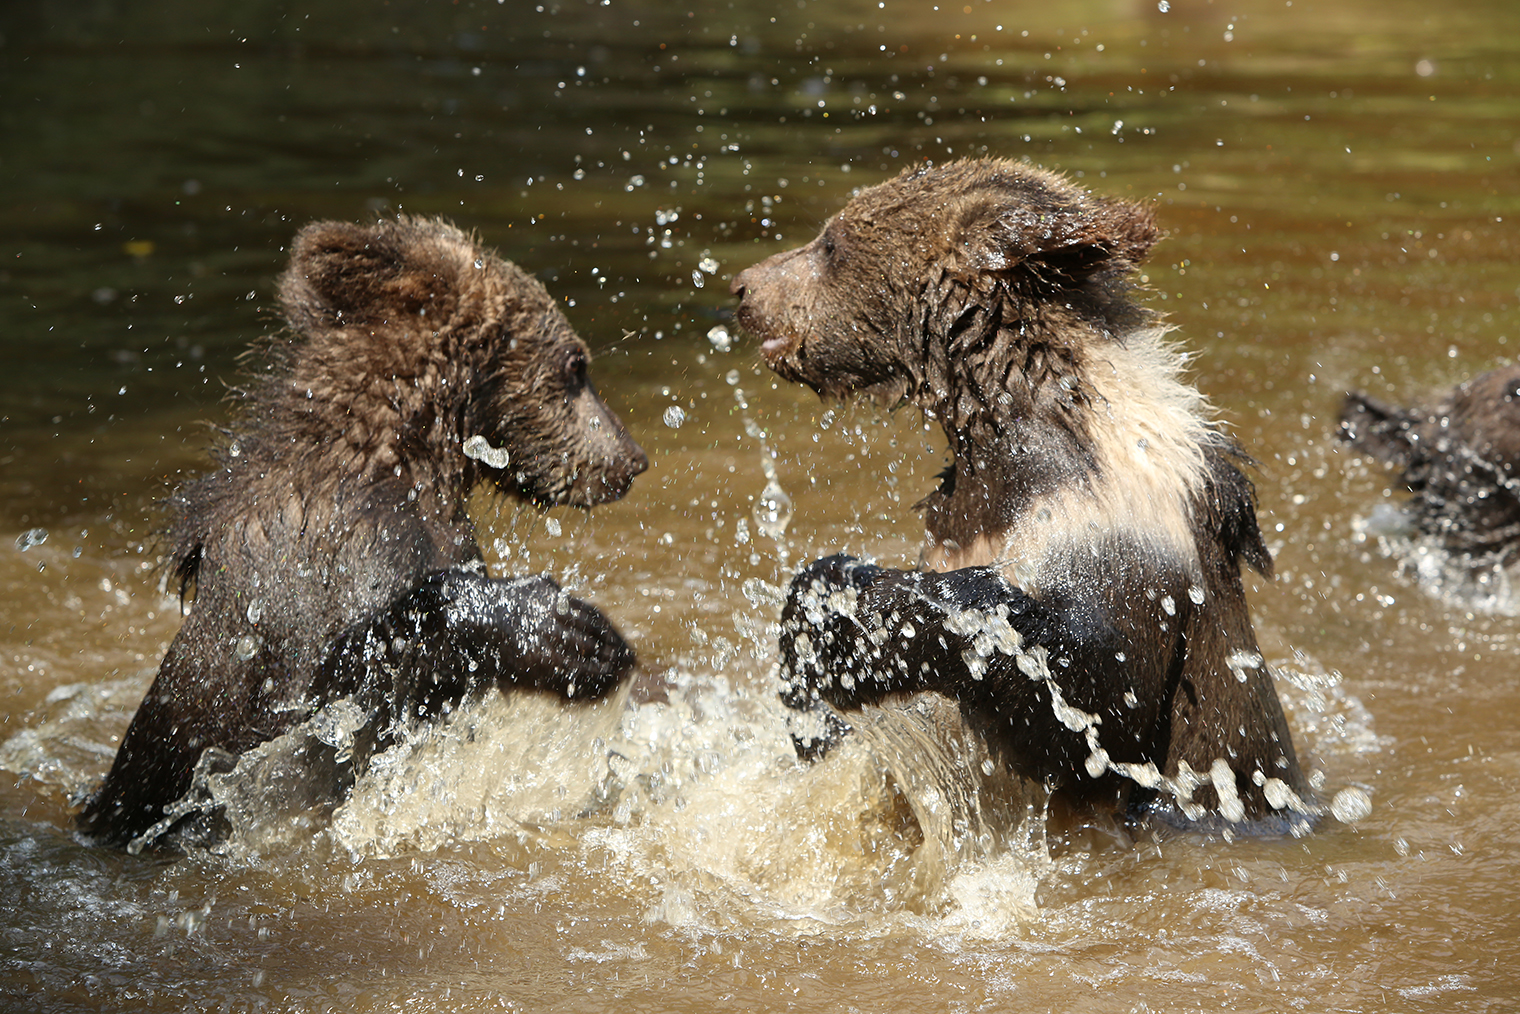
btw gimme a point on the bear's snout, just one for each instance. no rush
(770, 295)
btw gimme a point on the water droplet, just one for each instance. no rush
(675, 415)
(1351, 805)
(709, 265)
(479, 448)
(31, 537)
(245, 647)
(773, 511)
(732, 377)
(1242, 662)
(1195, 593)
(551, 525)
(255, 611)
(719, 337)
(1163, 6)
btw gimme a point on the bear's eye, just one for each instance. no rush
(828, 246)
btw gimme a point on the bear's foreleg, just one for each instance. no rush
(853, 634)
(460, 632)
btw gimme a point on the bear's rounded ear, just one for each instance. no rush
(1062, 244)
(344, 273)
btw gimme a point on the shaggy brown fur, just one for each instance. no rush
(1083, 599)
(335, 520)
(1460, 458)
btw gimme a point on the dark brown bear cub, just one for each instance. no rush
(1082, 595)
(1460, 458)
(329, 552)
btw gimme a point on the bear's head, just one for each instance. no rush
(425, 351)
(939, 286)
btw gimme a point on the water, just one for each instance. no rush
(1338, 184)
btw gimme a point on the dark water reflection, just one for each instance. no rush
(1340, 187)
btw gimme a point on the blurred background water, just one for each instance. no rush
(1339, 186)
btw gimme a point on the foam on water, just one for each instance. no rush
(1479, 585)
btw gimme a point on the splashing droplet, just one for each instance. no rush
(773, 511)
(720, 339)
(479, 448)
(1351, 805)
(245, 647)
(31, 537)
(675, 415)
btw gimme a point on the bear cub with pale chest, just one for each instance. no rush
(329, 552)
(1080, 594)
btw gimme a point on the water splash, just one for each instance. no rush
(773, 508)
(512, 764)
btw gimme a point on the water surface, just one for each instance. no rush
(1338, 184)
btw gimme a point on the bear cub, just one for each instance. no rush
(1080, 593)
(329, 553)
(1460, 457)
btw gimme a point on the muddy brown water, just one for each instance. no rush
(1340, 190)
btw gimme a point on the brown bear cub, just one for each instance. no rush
(1081, 595)
(330, 554)
(1460, 458)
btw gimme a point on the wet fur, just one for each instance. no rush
(329, 554)
(1091, 497)
(1459, 457)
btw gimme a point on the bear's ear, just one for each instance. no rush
(1059, 243)
(344, 273)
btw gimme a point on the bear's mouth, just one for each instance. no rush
(778, 347)
(775, 344)
(584, 486)
(782, 353)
